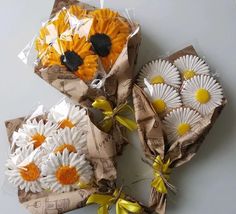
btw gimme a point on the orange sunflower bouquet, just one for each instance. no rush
(87, 52)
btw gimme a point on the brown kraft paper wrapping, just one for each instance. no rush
(101, 153)
(153, 141)
(118, 83)
(102, 150)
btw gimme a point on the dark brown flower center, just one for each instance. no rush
(101, 44)
(71, 60)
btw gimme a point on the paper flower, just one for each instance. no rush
(65, 171)
(68, 115)
(108, 35)
(76, 55)
(58, 27)
(23, 169)
(59, 44)
(190, 66)
(163, 97)
(34, 132)
(74, 140)
(202, 93)
(159, 71)
(77, 11)
(104, 14)
(179, 122)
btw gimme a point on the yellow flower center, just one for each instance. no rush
(38, 140)
(183, 129)
(69, 147)
(67, 175)
(159, 105)
(202, 96)
(66, 123)
(188, 74)
(157, 80)
(30, 172)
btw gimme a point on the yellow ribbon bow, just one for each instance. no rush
(106, 201)
(162, 176)
(114, 114)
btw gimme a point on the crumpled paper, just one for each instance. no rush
(101, 152)
(150, 131)
(117, 84)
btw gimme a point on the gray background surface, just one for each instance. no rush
(205, 185)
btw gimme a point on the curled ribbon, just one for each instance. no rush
(106, 201)
(162, 176)
(111, 114)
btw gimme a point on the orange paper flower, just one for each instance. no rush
(75, 55)
(57, 44)
(108, 35)
(77, 11)
(55, 28)
(58, 27)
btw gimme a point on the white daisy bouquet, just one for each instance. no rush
(86, 52)
(59, 157)
(176, 103)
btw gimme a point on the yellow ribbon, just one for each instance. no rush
(111, 114)
(106, 201)
(83, 185)
(162, 175)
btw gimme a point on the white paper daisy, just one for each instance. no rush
(163, 97)
(65, 171)
(34, 132)
(190, 66)
(74, 140)
(202, 93)
(159, 71)
(179, 122)
(68, 115)
(23, 169)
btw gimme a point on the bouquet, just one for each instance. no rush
(56, 162)
(86, 52)
(64, 158)
(176, 103)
